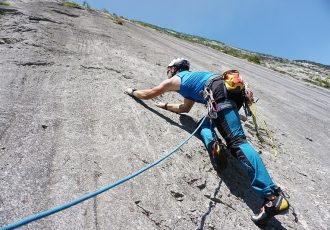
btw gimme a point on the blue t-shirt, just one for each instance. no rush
(192, 83)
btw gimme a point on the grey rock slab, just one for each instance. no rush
(67, 129)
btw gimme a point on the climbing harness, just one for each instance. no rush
(97, 192)
(211, 104)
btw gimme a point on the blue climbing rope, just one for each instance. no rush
(97, 192)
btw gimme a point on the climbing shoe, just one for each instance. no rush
(219, 156)
(271, 207)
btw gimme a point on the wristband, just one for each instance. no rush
(165, 107)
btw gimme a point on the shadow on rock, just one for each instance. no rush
(238, 183)
(212, 204)
(188, 123)
(273, 224)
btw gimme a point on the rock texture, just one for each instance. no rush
(67, 129)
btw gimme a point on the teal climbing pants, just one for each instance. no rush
(229, 126)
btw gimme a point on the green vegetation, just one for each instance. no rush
(118, 19)
(255, 58)
(72, 5)
(258, 58)
(237, 53)
(104, 10)
(4, 4)
(314, 63)
(323, 82)
(87, 6)
(279, 71)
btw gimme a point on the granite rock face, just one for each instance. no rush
(67, 129)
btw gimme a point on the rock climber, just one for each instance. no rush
(191, 86)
